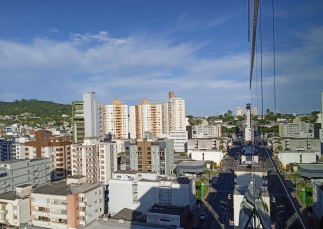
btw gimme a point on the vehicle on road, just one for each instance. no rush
(203, 216)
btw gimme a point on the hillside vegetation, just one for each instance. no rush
(40, 109)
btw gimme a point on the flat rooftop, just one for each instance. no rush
(191, 163)
(10, 196)
(20, 160)
(176, 180)
(249, 168)
(131, 172)
(169, 210)
(60, 188)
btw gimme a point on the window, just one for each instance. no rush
(14, 207)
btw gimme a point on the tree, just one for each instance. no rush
(121, 154)
(182, 154)
(221, 117)
(230, 112)
(267, 111)
(199, 122)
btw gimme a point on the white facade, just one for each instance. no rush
(116, 121)
(286, 157)
(139, 191)
(18, 172)
(15, 206)
(146, 117)
(209, 131)
(240, 111)
(93, 116)
(180, 140)
(207, 155)
(95, 160)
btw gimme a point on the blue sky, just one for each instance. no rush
(57, 50)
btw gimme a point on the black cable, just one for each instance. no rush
(262, 91)
(274, 51)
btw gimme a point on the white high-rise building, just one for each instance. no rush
(174, 118)
(115, 120)
(93, 116)
(240, 111)
(254, 111)
(249, 136)
(146, 117)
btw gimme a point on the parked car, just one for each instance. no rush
(202, 216)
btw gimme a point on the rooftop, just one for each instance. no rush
(127, 214)
(192, 163)
(60, 188)
(10, 196)
(169, 210)
(20, 160)
(176, 180)
(249, 168)
(131, 172)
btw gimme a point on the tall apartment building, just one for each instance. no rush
(141, 190)
(18, 172)
(174, 118)
(146, 117)
(58, 148)
(94, 159)
(240, 111)
(115, 120)
(67, 204)
(209, 131)
(5, 150)
(151, 155)
(87, 118)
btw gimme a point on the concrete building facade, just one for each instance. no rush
(286, 157)
(150, 155)
(115, 120)
(67, 204)
(207, 155)
(14, 173)
(146, 117)
(140, 190)
(5, 150)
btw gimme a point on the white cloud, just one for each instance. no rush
(141, 66)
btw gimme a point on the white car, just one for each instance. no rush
(202, 216)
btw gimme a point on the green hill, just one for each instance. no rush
(40, 109)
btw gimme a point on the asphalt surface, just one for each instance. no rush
(219, 207)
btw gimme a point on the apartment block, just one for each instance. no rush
(298, 129)
(87, 118)
(146, 117)
(240, 111)
(15, 206)
(115, 120)
(18, 172)
(174, 118)
(206, 144)
(150, 154)
(67, 204)
(5, 150)
(57, 148)
(286, 157)
(141, 190)
(208, 131)
(94, 159)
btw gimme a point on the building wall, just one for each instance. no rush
(35, 172)
(16, 216)
(286, 157)
(5, 150)
(206, 155)
(317, 200)
(78, 121)
(180, 140)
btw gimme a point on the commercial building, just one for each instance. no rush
(94, 159)
(207, 155)
(206, 144)
(180, 140)
(146, 117)
(87, 118)
(170, 216)
(67, 204)
(174, 118)
(298, 128)
(208, 131)
(312, 172)
(190, 168)
(150, 154)
(15, 206)
(140, 190)
(57, 148)
(18, 172)
(5, 150)
(286, 157)
(115, 120)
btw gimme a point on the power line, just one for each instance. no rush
(262, 91)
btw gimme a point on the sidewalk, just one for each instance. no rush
(303, 211)
(201, 208)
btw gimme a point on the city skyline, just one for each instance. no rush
(130, 51)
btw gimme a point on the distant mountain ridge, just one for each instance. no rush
(40, 109)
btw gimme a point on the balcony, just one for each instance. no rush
(3, 211)
(58, 215)
(82, 204)
(40, 213)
